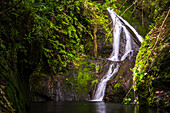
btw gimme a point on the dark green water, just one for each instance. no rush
(87, 107)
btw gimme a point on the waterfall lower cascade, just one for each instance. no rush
(119, 27)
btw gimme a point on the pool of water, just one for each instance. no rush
(87, 107)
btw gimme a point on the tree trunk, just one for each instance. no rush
(95, 41)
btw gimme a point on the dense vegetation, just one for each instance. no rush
(151, 72)
(152, 63)
(42, 38)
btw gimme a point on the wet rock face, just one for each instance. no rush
(117, 88)
(104, 51)
(64, 87)
(60, 90)
(69, 94)
(114, 96)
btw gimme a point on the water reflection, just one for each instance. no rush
(136, 109)
(88, 107)
(100, 107)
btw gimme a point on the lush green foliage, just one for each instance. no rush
(83, 76)
(151, 53)
(41, 38)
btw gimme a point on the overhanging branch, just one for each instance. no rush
(10, 7)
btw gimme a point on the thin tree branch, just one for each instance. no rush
(158, 36)
(105, 25)
(6, 103)
(128, 93)
(123, 4)
(142, 16)
(108, 35)
(127, 9)
(10, 7)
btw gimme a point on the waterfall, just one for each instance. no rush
(119, 26)
(102, 85)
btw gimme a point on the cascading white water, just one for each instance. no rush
(134, 31)
(102, 85)
(118, 27)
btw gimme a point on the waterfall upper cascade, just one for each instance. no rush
(119, 30)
